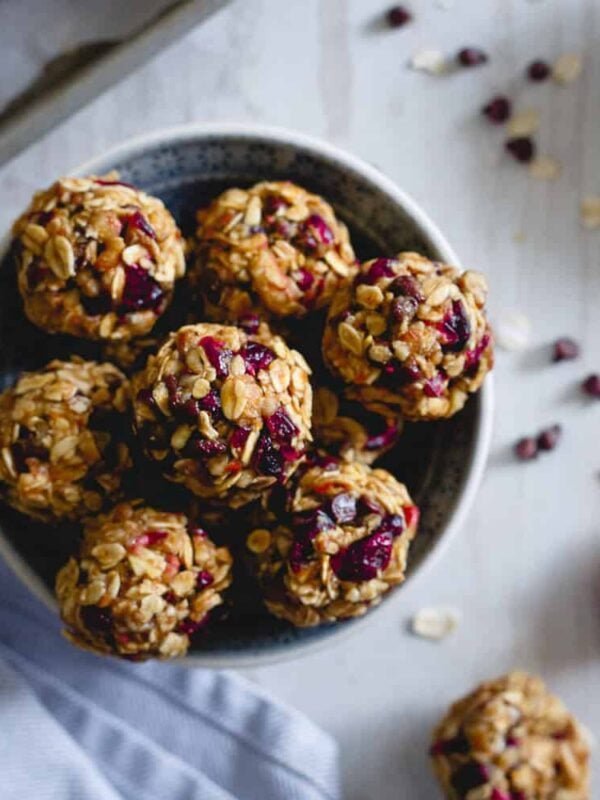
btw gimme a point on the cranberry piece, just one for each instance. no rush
(591, 385)
(207, 448)
(250, 323)
(211, 402)
(305, 280)
(469, 777)
(268, 460)
(398, 16)
(139, 222)
(512, 741)
(404, 309)
(103, 182)
(473, 357)
(171, 597)
(412, 514)
(290, 453)
(288, 230)
(434, 387)
(471, 57)
(522, 148)
(148, 538)
(196, 530)
(204, 579)
(239, 437)
(407, 286)
(273, 203)
(402, 374)
(363, 560)
(145, 396)
(498, 110)
(457, 745)
(321, 229)
(380, 268)
(384, 439)
(256, 356)
(281, 427)
(538, 71)
(189, 626)
(368, 506)
(526, 449)
(141, 292)
(393, 524)
(498, 795)
(455, 328)
(218, 355)
(96, 619)
(343, 508)
(549, 438)
(307, 527)
(565, 349)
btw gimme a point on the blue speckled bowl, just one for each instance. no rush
(441, 463)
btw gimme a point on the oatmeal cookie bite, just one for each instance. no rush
(97, 258)
(351, 431)
(224, 412)
(510, 739)
(63, 439)
(274, 250)
(411, 334)
(340, 544)
(144, 582)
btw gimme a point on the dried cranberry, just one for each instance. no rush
(104, 182)
(512, 741)
(189, 626)
(250, 323)
(522, 148)
(256, 356)
(380, 268)
(457, 745)
(320, 228)
(498, 795)
(290, 453)
(407, 286)
(473, 357)
(141, 292)
(469, 777)
(204, 579)
(398, 16)
(218, 355)
(549, 438)
(285, 229)
(404, 309)
(139, 222)
(455, 328)
(363, 560)
(538, 70)
(268, 459)
(239, 437)
(526, 449)
(591, 385)
(343, 508)
(401, 374)
(96, 619)
(281, 427)
(148, 538)
(211, 402)
(305, 280)
(145, 396)
(412, 514)
(471, 57)
(434, 387)
(196, 530)
(171, 597)
(565, 349)
(384, 439)
(498, 110)
(273, 203)
(393, 524)
(307, 526)
(368, 506)
(207, 448)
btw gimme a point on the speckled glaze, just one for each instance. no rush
(441, 463)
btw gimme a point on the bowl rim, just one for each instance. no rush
(430, 231)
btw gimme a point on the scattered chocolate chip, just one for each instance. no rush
(398, 16)
(498, 110)
(526, 449)
(522, 148)
(538, 71)
(591, 385)
(549, 438)
(471, 57)
(565, 349)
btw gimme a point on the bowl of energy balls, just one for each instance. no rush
(246, 395)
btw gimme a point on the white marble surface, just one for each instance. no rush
(525, 570)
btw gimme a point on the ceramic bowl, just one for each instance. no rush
(442, 463)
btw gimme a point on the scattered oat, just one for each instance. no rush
(431, 61)
(524, 123)
(590, 212)
(435, 623)
(545, 168)
(512, 330)
(520, 237)
(567, 68)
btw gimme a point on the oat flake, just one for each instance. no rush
(567, 68)
(435, 623)
(590, 212)
(545, 168)
(523, 123)
(429, 60)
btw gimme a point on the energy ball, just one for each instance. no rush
(143, 584)
(510, 739)
(340, 542)
(411, 334)
(224, 412)
(348, 430)
(274, 250)
(63, 433)
(97, 258)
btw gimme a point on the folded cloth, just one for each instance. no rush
(74, 726)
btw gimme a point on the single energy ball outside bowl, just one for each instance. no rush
(63, 439)
(273, 250)
(411, 334)
(510, 739)
(339, 544)
(143, 584)
(224, 412)
(97, 258)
